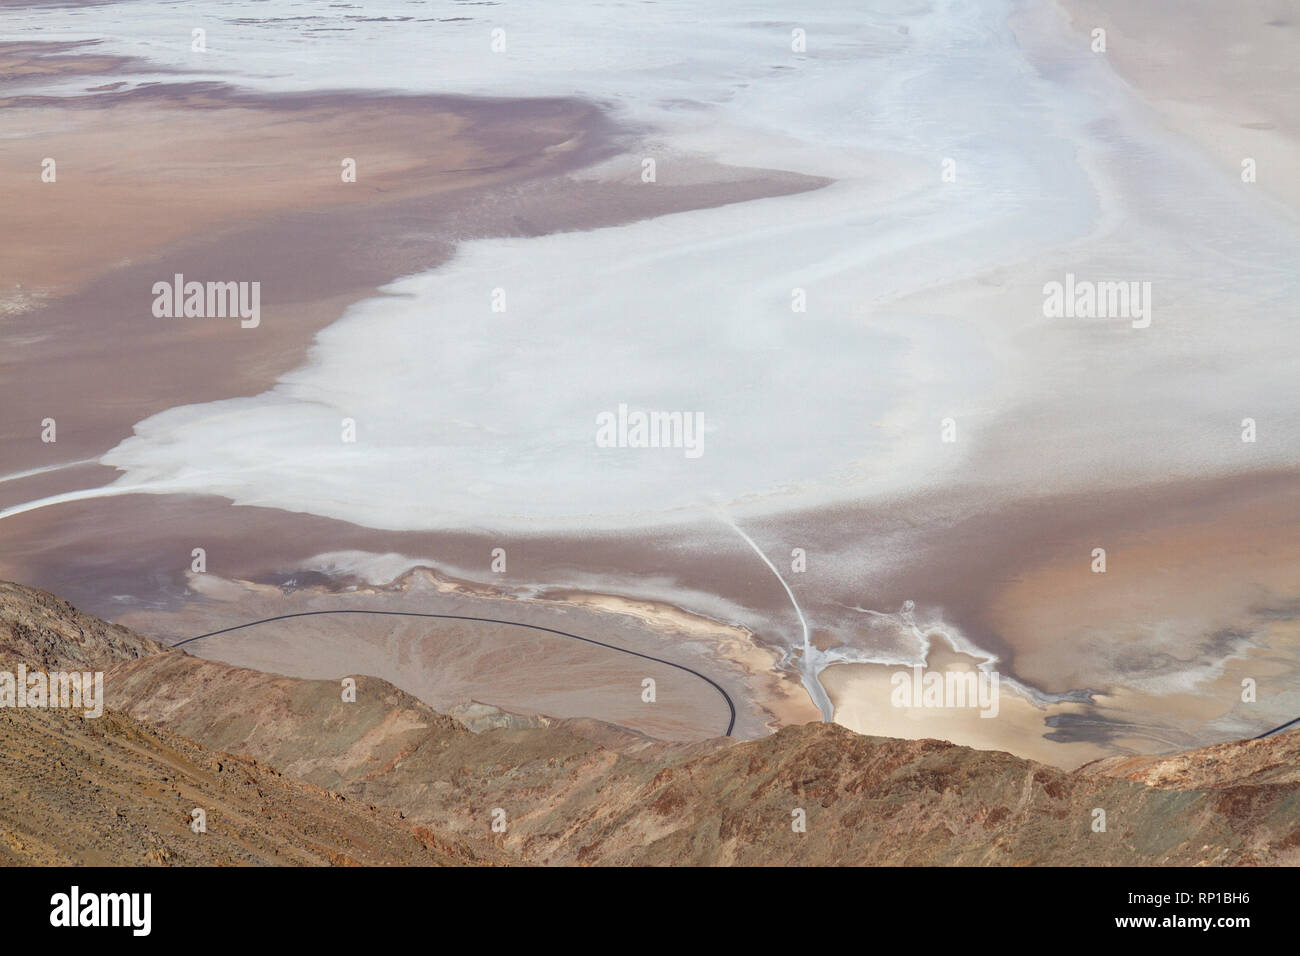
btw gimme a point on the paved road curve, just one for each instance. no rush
(731, 707)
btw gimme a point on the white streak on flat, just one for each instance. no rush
(84, 494)
(47, 469)
(808, 664)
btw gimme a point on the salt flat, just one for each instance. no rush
(865, 341)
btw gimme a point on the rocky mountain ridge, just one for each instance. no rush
(543, 791)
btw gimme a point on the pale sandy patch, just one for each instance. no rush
(1224, 74)
(863, 695)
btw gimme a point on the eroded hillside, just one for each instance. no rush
(568, 791)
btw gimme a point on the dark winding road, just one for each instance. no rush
(1270, 733)
(731, 707)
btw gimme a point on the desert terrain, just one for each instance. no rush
(782, 176)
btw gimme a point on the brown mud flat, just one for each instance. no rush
(220, 184)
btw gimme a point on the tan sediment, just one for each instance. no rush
(1201, 64)
(219, 185)
(1212, 569)
(787, 701)
(136, 174)
(1215, 589)
(861, 695)
(1201, 591)
(731, 642)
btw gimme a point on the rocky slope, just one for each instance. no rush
(1241, 763)
(46, 632)
(583, 792)
(115, 791)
